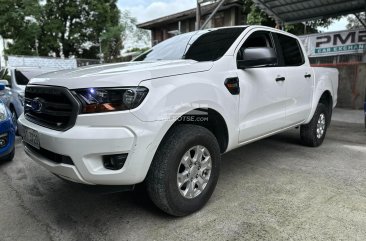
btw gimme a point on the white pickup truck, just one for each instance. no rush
(166, 118)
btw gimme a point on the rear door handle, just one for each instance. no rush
(307, 76)
(280, 79)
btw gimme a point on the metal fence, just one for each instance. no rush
(86, 62)
(48, 62)
(352, 77)
(347, 59)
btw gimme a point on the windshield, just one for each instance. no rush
(22, 77)
(208, 45)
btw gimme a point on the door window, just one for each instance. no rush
(291, 51)
(256, 40)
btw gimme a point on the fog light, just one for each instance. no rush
(114, 162)
(3, 140)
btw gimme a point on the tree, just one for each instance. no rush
(18, 22)
(62, 28)
(131, 34)
(75, 28)
(354, 22)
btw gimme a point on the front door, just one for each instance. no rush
(262, 94)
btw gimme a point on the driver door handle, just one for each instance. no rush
(278, 79)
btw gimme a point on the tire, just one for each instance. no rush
(313, 135)
(162, 180)
(8, 157)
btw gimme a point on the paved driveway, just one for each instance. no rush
(274, 189)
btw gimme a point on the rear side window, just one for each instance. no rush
(291, 51)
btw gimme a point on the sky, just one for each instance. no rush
(145, 10)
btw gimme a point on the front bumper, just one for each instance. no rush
(90, 139)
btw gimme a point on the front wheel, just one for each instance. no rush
(185, 170)
(313, 133)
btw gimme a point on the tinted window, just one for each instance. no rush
(292, 54)
(200, 46)
(258, 39)
(213, 45)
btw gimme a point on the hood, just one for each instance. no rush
(121, 74)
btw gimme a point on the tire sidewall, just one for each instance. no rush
(321, 109)
(175, 198)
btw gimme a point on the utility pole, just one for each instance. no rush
(198, 15)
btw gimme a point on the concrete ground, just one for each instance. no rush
(274, 189)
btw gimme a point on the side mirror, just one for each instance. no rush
(2, 87)
(4, 82)
(256, 57)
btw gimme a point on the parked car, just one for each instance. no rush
(7, 132)
(167, 117)
(16, 79)
(5, 94)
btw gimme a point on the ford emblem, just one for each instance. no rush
(36, 105)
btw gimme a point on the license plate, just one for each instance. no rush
(31, 137)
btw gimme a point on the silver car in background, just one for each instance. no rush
(16, 79)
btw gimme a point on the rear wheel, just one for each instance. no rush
(185, 170)
(313, 133)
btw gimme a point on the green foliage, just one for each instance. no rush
(18, 22)
(354, 23)
(258, 17)
(62, 27)
(131, 33)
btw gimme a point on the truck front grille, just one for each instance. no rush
(52, 107)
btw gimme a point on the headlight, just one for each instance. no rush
(3, 113)
(96, 100)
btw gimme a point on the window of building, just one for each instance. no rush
(219, 20)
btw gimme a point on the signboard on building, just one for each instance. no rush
(335, 43)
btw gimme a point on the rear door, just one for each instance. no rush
(299, 78)
(262, 93)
